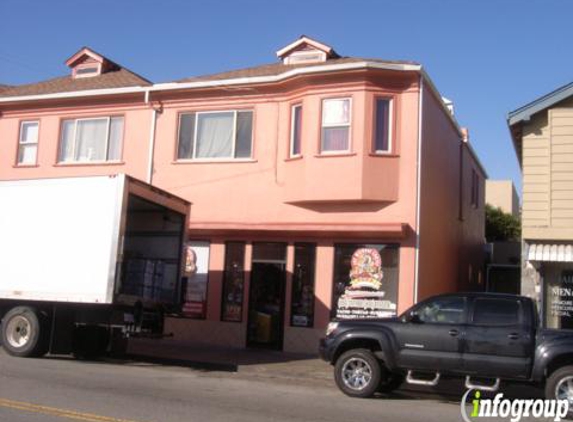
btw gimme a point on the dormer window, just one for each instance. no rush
(82, 71)
(87, 63)
(306, 50)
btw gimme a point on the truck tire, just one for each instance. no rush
(558, 383)
(25, 332)
(357, 373)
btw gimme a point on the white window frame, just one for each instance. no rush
(292, 130)
(390, 126)
(349, 125)
(73, 154)
(234, 146)
(27, 143)
(98, 67)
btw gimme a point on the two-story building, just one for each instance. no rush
(542, 133)
(321, 186)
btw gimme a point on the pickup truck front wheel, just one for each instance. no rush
(559, 385)
(357, 373)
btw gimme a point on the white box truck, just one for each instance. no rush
(85, 260)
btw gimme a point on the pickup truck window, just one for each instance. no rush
(442, 310)
(496, 312)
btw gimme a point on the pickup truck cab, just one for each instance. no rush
(478, 336)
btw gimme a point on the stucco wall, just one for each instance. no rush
(502, 194)
(135, 146)
(451, 230)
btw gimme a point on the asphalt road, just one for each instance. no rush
(62, 389)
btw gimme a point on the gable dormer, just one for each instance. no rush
(87, 63)
(306, 50)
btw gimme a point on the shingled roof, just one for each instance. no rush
(111, 75)
(114, 79)
(108, 75)
(274, 69)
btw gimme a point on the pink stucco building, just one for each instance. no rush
(291, 168)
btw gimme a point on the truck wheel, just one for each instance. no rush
(559, 385)
(357, 373)
(25, 332)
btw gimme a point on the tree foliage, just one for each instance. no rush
(501, 226)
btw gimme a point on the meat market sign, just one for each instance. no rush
(561, 296)
(365, 295)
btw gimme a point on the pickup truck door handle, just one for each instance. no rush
(513, 336)
(453, 332)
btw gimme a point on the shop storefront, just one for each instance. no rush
(550, 268)
(558, 295)
(280, 295)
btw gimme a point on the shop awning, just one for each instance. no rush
(550, 252)
(325, 230)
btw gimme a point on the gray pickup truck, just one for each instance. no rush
(483, 337)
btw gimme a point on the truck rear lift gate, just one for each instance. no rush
(470, 385)
(417, 381)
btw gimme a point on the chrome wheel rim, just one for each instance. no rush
(356, 374)
(18, 331)
(564, 390)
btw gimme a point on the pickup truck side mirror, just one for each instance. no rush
(413, 318)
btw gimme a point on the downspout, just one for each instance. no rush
(418, 189)
(149, 178)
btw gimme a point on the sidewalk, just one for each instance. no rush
(246, 363)
(286, 368)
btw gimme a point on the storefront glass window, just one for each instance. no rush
(233, 282)
(302, 302)
(196, 273)
(365, 281)
(558, 296)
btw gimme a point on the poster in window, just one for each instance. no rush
(197, 273)
(366, 281)
(559, 293)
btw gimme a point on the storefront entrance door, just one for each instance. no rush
(266, 304)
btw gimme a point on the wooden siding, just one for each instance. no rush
(548, 174)
(561, 167)
(536, 173)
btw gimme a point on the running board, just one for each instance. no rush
(429, 383)
(471, 386)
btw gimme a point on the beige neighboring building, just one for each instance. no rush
(542, 133)
(503, 271)
(502, 194)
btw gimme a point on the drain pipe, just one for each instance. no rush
(154, 111)
(418, 188)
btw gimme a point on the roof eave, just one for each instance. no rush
(285, 75)
(524, 113)
(74, 94)
(173, 86)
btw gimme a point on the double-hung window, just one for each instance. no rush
(94, 139)
(382, 126)
(28, 143)
(295, 130)
(215, 135)
(335, 136)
